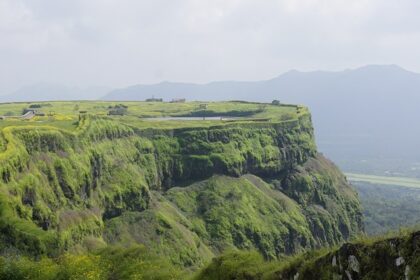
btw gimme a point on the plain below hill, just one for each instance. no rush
(366, 113)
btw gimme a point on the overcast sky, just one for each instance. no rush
(117, 43)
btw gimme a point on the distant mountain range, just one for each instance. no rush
(369, 112)
(292, 86)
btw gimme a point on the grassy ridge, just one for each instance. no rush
(66, 113)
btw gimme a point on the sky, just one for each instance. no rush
(116, 43)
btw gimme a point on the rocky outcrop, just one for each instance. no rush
(391, 258)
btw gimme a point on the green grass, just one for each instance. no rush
(69, 125)
(69, 112)
(110, 263)
(384, 180)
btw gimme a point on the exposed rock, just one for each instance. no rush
(365, 260)
(334, 261)
(348, 275)
(354, 264)
(399, 261)
(407, 272)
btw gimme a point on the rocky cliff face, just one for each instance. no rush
(185, 193)
(390, 258)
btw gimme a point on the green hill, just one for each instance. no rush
(77, 181)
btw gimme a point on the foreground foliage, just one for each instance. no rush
(380, 258)
(111, 263)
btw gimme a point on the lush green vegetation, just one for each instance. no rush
(77, 181)
(111, 263)
(389, 203)
(388, 208)
(198, 221)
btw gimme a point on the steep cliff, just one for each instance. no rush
(390, 258)
(186, 193)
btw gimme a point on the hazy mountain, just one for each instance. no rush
(369, 112)
(51, 92)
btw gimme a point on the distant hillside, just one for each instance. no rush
(369, 112)
(51, 92)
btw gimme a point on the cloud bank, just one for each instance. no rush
(120, 42)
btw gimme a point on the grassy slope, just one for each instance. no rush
(199, 221)
(230, 212)
(69, 111)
